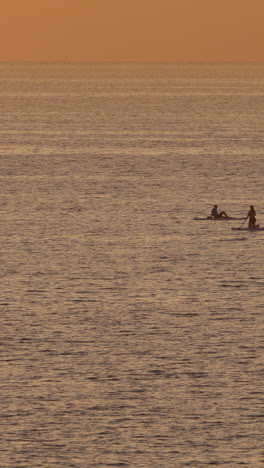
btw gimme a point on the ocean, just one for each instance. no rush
(132, 335)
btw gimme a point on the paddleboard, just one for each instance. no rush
(218, 219)
(247, 229)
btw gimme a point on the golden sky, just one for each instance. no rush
(132, 30)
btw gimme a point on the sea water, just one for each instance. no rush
(131, 335)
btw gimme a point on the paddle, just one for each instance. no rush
(243, 223)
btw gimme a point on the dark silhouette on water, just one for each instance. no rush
(215, 214)
(252, 218)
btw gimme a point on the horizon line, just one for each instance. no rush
(120, 62)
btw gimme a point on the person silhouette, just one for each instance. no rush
(252, 218)
(215, 214)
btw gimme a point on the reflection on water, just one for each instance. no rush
(131, 335)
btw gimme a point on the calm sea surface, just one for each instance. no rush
(131, 335)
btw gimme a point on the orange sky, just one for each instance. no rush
(132, 30)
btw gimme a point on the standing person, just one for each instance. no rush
(252, 218)
(215, 214)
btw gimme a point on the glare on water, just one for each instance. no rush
(131, 335)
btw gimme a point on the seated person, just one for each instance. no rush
(215, 214)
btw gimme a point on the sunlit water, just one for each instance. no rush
(131, 335)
